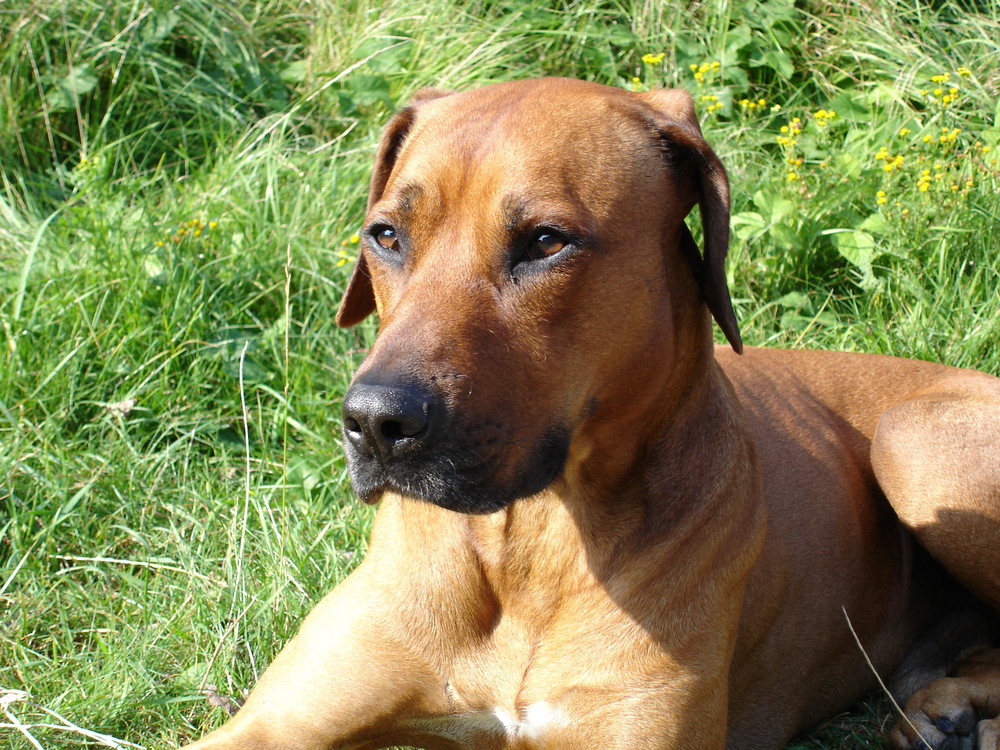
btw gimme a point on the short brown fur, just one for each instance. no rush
(682, 580)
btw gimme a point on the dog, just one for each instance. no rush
(596, 529)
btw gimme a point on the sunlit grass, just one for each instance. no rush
(180, 187)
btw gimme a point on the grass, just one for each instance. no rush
(179, 187)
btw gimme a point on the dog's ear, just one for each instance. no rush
(358, 301)
(678, 128)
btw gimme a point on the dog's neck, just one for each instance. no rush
(654, 512)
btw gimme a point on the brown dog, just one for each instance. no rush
(596, 531)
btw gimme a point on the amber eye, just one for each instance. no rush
(386, 237)
(544, 245)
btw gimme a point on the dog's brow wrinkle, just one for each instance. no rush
(514, 212)
(407, 198)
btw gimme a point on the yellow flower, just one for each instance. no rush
(964, 72)
(651, 59)
(792, 177)
(903, 132)
(355, 239)
(892, 163)
(880, 197)
(700, 70)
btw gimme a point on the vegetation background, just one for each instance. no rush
(180, 186)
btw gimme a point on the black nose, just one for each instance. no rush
(386, 421)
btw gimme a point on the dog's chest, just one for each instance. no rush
(536, 725)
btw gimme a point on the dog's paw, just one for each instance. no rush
(988, 734)
(943, 716)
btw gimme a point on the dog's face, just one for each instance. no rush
(512, 234)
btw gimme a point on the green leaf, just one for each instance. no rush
(874, 224)
(857, 247)
(786, 237)
(773, 206)
(848, 165)
(294, 72)
(747, 225)
(737, 38)
(848, 106)
(67, 91)
(795, 300)
(158, 27)
(778, 61)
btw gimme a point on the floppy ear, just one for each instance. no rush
(678, 127)
(358, 301)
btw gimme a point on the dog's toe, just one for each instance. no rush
(938, 717)
(988, 735)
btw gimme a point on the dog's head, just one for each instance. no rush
(540, 296)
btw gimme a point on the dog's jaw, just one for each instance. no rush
(459, 473)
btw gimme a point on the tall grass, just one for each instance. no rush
(179, 187)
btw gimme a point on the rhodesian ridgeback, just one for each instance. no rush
(597, 530)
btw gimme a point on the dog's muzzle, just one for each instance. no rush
(405, 437)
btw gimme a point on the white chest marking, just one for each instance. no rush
(536, 720)
(483, 728)
(539, 718)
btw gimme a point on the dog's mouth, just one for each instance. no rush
(465, 476)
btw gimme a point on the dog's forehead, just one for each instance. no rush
(542, 139)
(531, 118)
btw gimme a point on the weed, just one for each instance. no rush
(180, 190)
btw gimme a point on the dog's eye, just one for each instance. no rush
(386, 237)
(544, 245)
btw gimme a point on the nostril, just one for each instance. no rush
(386, 420)
(392, 431)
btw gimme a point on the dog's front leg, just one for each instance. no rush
(367, 665)
(346, 680)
